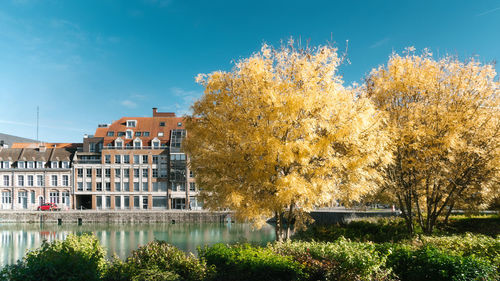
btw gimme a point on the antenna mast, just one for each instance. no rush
(37, 117)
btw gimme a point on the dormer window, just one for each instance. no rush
(65, 164)
(162, 124)
(111, 134)
(160, 134)
(179, 124)
(39, 164)
(118, 143)
(121, 134)
(145, 134)
(131, 123)
(137, 134)
(20, 164)
(53, 164)
(6, 164)
(31, 165)
(128, 134)
(156, 143)
(137, 143)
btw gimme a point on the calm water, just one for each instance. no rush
(16, 239)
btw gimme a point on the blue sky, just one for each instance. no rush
(93, 61)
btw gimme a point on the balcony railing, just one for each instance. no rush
(133, 147)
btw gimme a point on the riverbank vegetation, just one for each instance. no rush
(317, 254)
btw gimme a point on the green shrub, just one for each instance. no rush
(481, 224)
(341, 260)
(76, 258)
(469, 244)
(244, 262)
(158, 260)
(429, 263)
(375, 230)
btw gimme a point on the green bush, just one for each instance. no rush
(76, 258)
(429, 263)
(375, 230)
(469, 244)
(244, 262)
(482, 224)
(340, 260)
(158, 260)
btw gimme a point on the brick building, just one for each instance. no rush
(135, 163)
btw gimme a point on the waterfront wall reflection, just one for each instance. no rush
(16, 239)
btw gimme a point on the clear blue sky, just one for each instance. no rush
(89, 62)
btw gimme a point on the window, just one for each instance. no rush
(126, 173)
(163, 186)
(65, 180)
(107, 173)
(131, 123)
(162, 124)
(6, 181)
(31, 180)
(117, 173)
(156, 143)
(137, 134)
(111, 134)
(145, 134)
(54, 165)
(89, 186)
(31, 165)
(126, 202)
(155, 159)
(144, 186)
(21, 196)
(119, 143)
(108, 186)
(136, 159)
(191, 174)
(54, 197)
(109, 145)
(98, 172)
(155, 186)
(65, 198)
(118, 202)
(192, 186)
(136, 173)
(20, 164)
(136, 202)
(39, 164)
(182, 186)
(6, 164)
(136, 186)
(80, 186)
(20, 180)
(126, 159)
(107, 159)
(6, 197)
(126, 186)
(160, 134)
(98, 202)
(89, 173)
(118, 186)
(65, 164)
(92, 147)
(118, 159)
(33, 197)
(39, 180)
(98, 186)
(145, 173)
(79, 172)
(128, 134)
(137, 143)
(155, 173)
(121, 134)
(159, 202)
(179, 124)
(53, 180)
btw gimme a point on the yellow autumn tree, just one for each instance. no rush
(279, 135)
(443, 118)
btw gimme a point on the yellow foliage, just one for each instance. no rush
(280, 131)
(444, 121)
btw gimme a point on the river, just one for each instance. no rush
(16, 239)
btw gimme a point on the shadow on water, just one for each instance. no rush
(16, 239)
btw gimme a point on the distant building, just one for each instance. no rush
(31, 174)
(135, 163)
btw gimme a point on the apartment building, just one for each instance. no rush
(135, 163)
(34, 173)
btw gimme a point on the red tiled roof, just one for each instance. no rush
(143, 124)
(46, 144)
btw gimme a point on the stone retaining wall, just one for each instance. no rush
(113, 216)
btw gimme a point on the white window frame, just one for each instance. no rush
(21, 165)
(131, 123)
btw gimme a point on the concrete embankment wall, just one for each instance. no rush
(333, 217)
(113, 216)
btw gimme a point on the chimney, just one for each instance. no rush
(154, 111)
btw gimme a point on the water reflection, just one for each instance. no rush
(16, 239)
